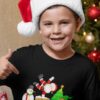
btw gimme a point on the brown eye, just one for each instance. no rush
(64, 22)
(48, 24)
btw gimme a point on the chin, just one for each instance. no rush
(57, 48)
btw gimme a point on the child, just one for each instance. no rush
(57, 21)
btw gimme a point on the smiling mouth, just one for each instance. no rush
(57, 39)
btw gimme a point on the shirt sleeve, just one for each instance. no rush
(91, 89)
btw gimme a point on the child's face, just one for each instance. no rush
(57, 28)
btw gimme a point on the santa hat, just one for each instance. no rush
(31, 10)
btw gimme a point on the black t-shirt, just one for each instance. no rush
(77, 74)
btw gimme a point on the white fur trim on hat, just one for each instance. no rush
(26, 29)
(38, 6)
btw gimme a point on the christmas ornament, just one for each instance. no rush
(89, 38)
(59, 95)
(93, 12)
(94, 56)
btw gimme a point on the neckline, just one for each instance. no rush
(53, 59)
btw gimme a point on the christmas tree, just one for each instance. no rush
(59, 95)
(87, 41)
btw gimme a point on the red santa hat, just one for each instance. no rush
(31, 10)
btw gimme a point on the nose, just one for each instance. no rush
(56, 29)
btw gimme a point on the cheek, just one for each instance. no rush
(45, 32)
(69, 29)
(69, 37)
(69, 34)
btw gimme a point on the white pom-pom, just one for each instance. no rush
(26, 29)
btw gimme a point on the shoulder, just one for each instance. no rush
(23, 52)
(85, 62)
(27, 48)
(87, 68)
(83, 59)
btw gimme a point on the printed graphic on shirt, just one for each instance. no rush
(45, 87)
(3, 96)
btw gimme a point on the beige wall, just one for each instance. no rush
(9, 18)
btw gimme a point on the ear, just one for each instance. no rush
(40, 31)
(78, 26)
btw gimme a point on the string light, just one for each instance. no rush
(84, 33)
(85, 2)
(95, 20)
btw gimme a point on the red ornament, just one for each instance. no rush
(93, 12)
(94, 56)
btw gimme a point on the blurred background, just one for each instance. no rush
(9, 37)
